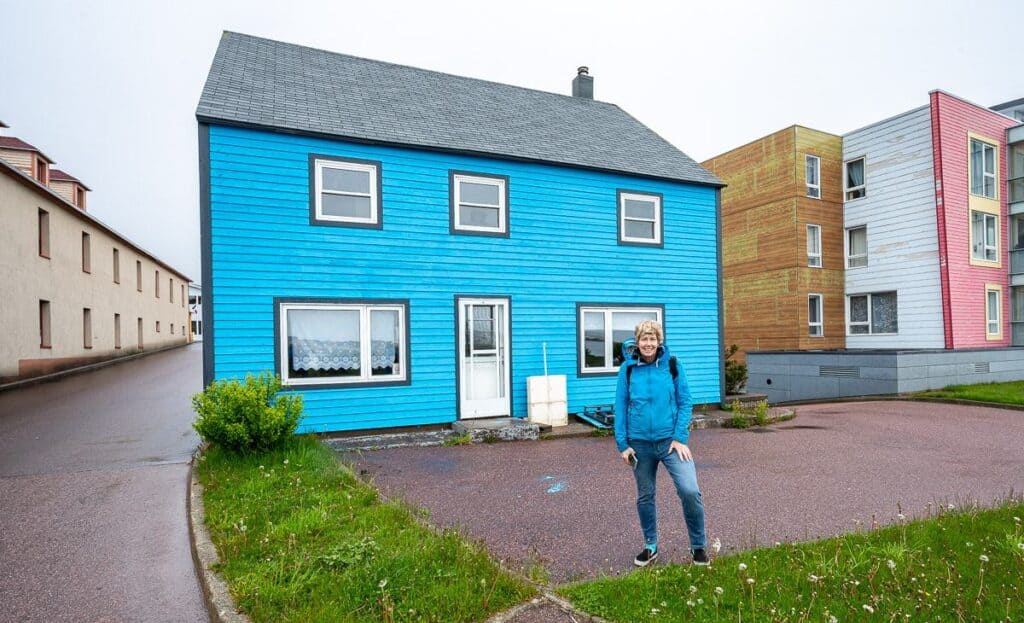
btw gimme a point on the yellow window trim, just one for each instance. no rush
(994, 287)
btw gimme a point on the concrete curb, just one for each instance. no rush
(56, 376)
(220, 605)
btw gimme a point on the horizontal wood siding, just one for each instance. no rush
(765, 213)
(899, 211)
(955, 120)
(562, 250)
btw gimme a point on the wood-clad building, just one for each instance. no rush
(782, 239)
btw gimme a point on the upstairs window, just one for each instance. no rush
(602, 330)
(870, 314)
(80, 197)
(86, 253)
(44, 233)
(814, 246)
(984, 236)
(117, 266)
(42, 172)
(814, 317)
(87, 328)
(479, 204)
(857, 247)
(640, 218)
(156, 283)
(346, 192)
(813, 176)
(854, 184)
(983, 169)
(170, 288)
(138, 275)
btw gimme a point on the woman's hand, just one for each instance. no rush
(628, 452)
(682, 450)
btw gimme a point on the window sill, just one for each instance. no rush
(46, 346)
(986, 263)
(45, 257)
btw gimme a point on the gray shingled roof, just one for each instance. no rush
(264, 83)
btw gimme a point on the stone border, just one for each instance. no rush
(220, 605)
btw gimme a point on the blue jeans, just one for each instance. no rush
(684, 476)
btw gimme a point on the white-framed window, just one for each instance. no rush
(993, 311)
(870, 314)
(346, 192)
(812, 168)
(853, 182)
(857, 247)
(479, 204)
(639, 218)
(341, 343)
(814, 246)
(815, 323)
(603, 329)
(983, 169)
(984, 236)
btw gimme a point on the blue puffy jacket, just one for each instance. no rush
(653, 407)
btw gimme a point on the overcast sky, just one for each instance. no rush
(108, 89)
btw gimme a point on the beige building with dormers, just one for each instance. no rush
(73, 290)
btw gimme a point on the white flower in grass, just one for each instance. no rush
(382, 583)
(869, 609)
(1020, 545)
(664, 604)
(951, 507)
(689, 602)
(1016, 520)
(693, 589)
(743, 567)
(716, 545)
(655, 611)
(832, 619)
(286, 461)
(901, 516)
(891, 564)
(813, 578)
(983, 558)
(719, 590)
(750, 580)
(700, 602)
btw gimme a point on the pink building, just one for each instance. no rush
(928, 229)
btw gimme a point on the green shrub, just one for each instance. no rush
(246, 416)
(735, 372)
(761, 413)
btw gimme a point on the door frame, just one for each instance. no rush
(458, 299)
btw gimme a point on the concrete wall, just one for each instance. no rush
(26, 278)
(790, 376)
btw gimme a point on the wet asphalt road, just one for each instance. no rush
(569, 504)
(93, 477)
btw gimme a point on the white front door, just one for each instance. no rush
(483, 358)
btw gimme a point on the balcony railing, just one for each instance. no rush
(1017, 262)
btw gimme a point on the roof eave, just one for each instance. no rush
(208, 119)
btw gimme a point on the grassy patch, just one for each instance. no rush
(1011, 393)
(301, 539)
(959, 566)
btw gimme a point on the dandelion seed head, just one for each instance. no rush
(750, 580)
(1020, 545)
(700, 602)
(983, 558)
(693, 589)
(655, 611)
(869, 609)
(950, 507)
(891, 564)
(664, 604)
(832, 619)
(901, 516)
(716, 545)
(743, 567)
(382, 583)
(690, 602)
(719, 590)
(813, 578)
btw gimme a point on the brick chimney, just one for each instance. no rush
(583, 84)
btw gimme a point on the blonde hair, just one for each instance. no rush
(649, 326)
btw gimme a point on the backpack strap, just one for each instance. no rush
(673, 367)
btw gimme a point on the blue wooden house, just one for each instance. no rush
(400, 245)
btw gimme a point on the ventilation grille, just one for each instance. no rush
(847, 372)
(981, 368)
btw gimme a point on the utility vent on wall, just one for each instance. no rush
(981, 368)
(848, 372)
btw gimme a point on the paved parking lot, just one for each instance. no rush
(569, 503)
